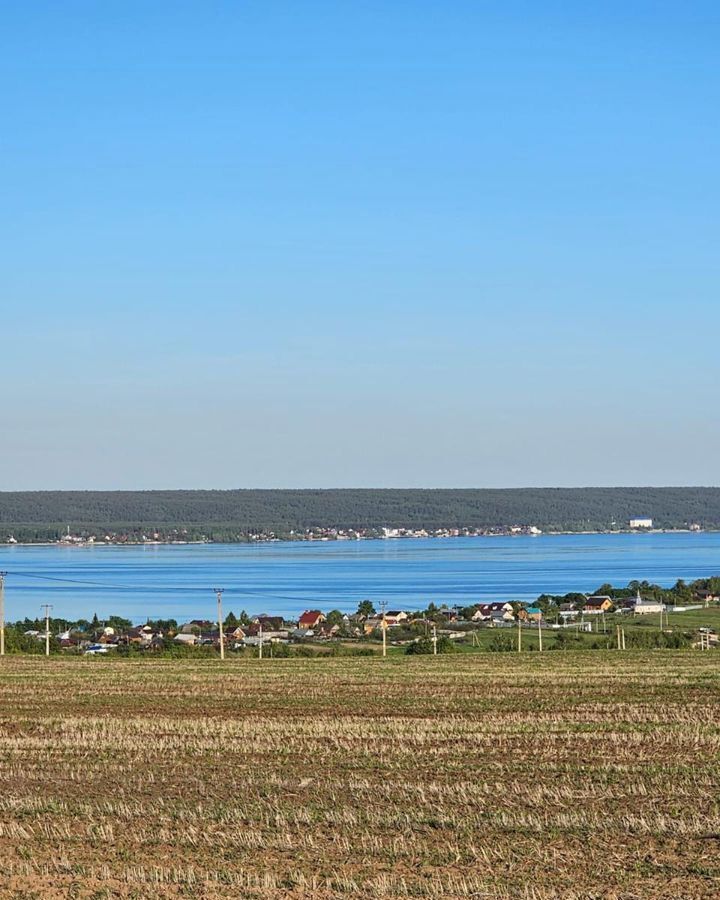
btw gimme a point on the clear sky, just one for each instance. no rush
(359, 244)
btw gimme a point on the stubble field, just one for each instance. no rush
(539, 776)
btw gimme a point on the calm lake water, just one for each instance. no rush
(177, 581)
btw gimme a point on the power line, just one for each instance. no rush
(140, 588)
(185, 589)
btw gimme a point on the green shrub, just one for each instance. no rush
(425, 646)
(501, 642)
(565, 641)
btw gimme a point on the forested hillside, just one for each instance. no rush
(232, 515)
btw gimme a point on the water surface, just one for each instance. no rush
(178, 581)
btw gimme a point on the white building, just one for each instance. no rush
(643, 607)
(183, 638)
(641, 523)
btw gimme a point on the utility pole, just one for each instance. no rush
(47, 607)
(622, 632)
(383, 604)
(219, 592)
(519, 621)
(2, 613)
(540, 634)
(260, 646)
(434, 640)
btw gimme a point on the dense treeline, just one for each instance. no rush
(232, 515)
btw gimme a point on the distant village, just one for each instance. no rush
(84, 537)
(367, 625)
(183, 536)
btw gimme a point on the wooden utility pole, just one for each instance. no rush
(383, 625)
(434, 640)
(219, 592)
(622, 633)
(540, 635)
(260, 646)
(47, 607)
(2, 613)
(519, 621)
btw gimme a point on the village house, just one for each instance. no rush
(567, 611)
(530, 614)
(299, 634)
(186, 637)
(233, 633)
(625, 604)
(109, 637)
(371, 623)
(269, 623)
(643, 606)
(328, 631)
(498, 610)
(141, 635)
(599, 603)
(311, 618)
(395, 617)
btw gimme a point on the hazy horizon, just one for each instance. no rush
(357, 487)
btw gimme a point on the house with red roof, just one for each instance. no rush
(311, 618)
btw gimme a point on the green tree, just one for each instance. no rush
(334, 617)
(432, 612)
(119, 623)
(546, 605)
(164, 625)
(365, 608)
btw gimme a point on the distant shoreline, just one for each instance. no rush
(85, 545)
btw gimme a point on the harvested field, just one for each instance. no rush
(582, 775)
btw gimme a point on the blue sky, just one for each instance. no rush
(358, 244)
